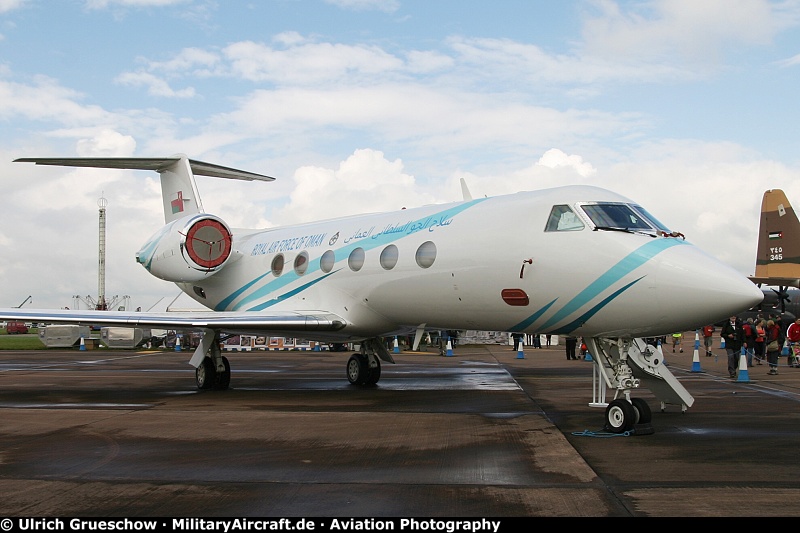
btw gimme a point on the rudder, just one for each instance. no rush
(179, 190)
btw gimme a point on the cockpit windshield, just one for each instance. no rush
(608, 216)
(653, 220)
(625, 217)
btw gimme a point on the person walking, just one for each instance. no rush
(708, 338)
(760, 344)
(793, 336)
(749, 340)
(517, 337)
(734, 339)
(775, 340)
(572, 344)
(677, 341)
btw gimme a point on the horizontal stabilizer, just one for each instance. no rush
(156, 164)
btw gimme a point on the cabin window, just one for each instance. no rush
(356, 259)
(389, 257)
(426, 254)
(301, 263)
(616, 216)
(563, 218)
(327, 261)
(277, 265)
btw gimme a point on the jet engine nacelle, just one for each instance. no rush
(189, 249)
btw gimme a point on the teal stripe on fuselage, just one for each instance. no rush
(227, 301)
(578, 322)
(429, 222)
(624, 267)
(531, 319)
(291, 293)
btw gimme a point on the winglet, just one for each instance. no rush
(778, 252)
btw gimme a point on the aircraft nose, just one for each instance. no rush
(701, 288)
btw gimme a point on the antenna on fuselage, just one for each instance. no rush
(465, 190)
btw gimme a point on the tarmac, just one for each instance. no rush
(481, 433)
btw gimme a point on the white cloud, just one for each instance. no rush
(195, 61)
(555, 158)
(155, 86)
(106, 143)
(364, 182)
(46, 100)
(10, 5)
(388, 6)
(675, 31)
(308, 63)
(102, 4)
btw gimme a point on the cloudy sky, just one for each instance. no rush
(688, 107)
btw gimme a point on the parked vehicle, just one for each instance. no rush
(16, 327)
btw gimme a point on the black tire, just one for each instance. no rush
(374, 374)
(643, 413)
(205, 375)
(620, 416)
(224, 378)
(357, 369)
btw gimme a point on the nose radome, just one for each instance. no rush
(701, 288)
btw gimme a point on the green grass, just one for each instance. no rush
(20, 342)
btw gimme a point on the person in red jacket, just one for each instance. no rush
(708, 338)
(793, 336)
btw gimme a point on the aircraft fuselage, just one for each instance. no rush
(483, 264)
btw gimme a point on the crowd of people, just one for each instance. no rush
(763, 339)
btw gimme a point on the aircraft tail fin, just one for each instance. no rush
(178, 189)
(778, 252)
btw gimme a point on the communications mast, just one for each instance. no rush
(102, 203)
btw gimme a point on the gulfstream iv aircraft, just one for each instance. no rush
(572, 260)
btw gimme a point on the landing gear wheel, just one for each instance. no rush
(620, 416)
(374, 374)
(205, 375)
(357, 369)
(643, 413)
(224, 378)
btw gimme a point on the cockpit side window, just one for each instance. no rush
(616, 216)
(563, 218)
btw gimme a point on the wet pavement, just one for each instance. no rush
(483, 433)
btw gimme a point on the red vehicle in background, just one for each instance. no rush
(16, 327)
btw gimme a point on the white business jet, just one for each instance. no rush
(573, 260)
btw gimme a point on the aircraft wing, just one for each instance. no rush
(275, 323)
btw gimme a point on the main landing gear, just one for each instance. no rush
(364, 368)
(212, 369)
